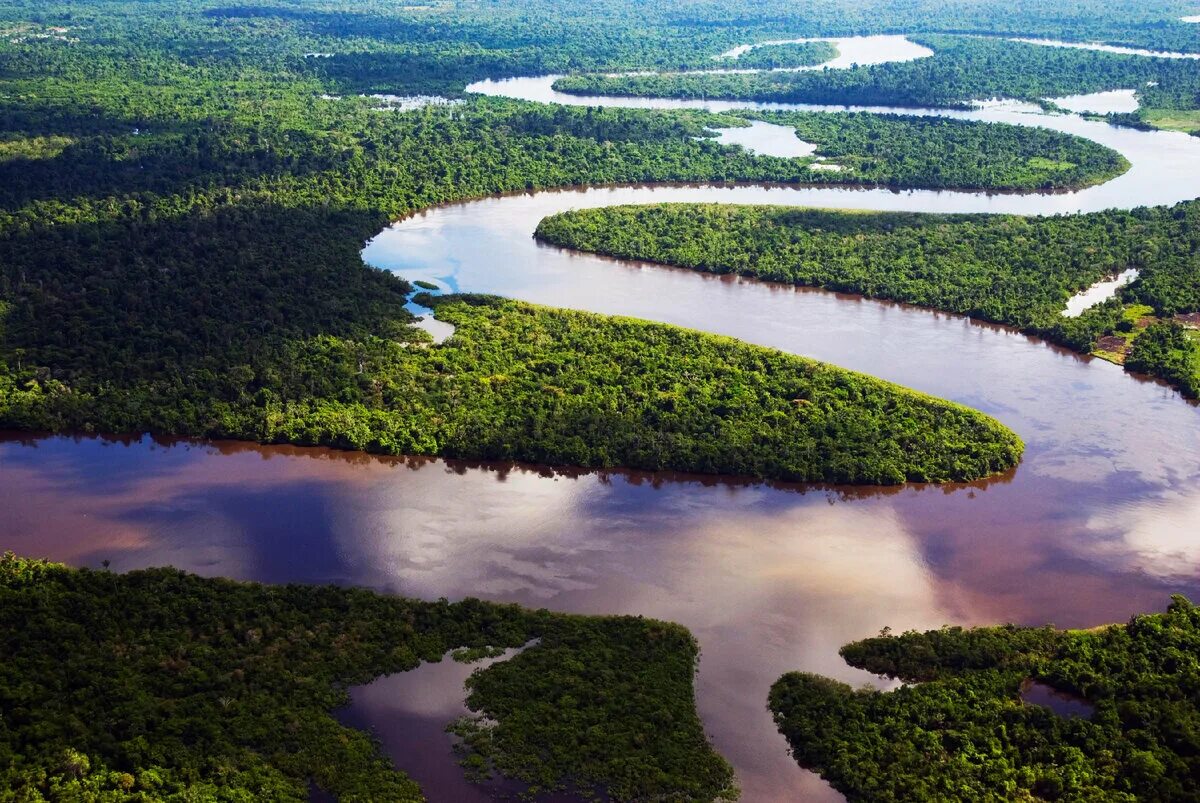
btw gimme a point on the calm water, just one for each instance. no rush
(1098, 293)
(1063, 704)
(767, 139)
(1098, 523)
(1101, 48)
(1117, 101)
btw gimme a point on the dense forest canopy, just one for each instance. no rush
(908, 151)
(961, 730)
(442, 46)
(185, 187)
(159, 685)
(1014, 270)
(962, 69)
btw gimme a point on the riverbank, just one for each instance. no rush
(1106, 723)
(518, 382)
(251, 674)
(1023, 272)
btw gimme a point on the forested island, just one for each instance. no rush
(160, 685)
(959, 729)
(1018, 271)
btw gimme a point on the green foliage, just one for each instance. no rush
(27, 148)
(1018, 271)
(1169, 351)
(518, 382)
(439, 47)
(158, 685)
(939, 152)
(963, 732)
(532, 708)
(962, 70)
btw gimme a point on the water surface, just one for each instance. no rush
(1063, 704)
(767, 139)
(852, 51)
(1098, 293)
(1103, 48)
(769, 579)
(1116, 101)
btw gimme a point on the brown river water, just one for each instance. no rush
(1098, 523)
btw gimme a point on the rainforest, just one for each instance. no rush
(487, 400)
(1019, 271)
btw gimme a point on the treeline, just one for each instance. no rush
(517, 382)
(299, 147)
(961, 731)
(937, 152)
(1014, 270)
(160, 685)
(962, 69)
(1170, 351)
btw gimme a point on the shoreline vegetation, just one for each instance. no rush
(161, 685)
(959, 728)
(202, 280)
(539, 385)
(942, 153)
(962, 71)
(1005, 269)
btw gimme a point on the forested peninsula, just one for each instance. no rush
(196, 276)
(160, 685)
(1006, 269)
(518, 382)
(960, 729)
(942, 153)
(782, 55)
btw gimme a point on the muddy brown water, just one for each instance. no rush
(1098, 523)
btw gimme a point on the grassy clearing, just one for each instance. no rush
(1173, 119)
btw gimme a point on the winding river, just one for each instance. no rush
(1098, 522)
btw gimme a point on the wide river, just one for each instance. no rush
(1098, 523)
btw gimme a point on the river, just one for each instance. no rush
(1096, 524)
